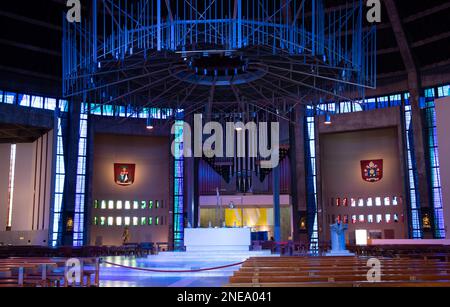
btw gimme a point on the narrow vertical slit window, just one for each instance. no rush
(12, 168)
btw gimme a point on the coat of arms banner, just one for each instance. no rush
(372, 170)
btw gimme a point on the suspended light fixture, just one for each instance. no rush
(238, 124)
(328, 119)
(150, 123)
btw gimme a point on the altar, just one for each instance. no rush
(217, 239)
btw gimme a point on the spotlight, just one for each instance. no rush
(238, 124)
(150, 124)
(328, 119)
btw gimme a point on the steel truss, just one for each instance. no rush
(141, 53)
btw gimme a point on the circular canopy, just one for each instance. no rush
(217, 55)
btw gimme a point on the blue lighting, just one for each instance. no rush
(178, 212)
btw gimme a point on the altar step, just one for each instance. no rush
(208, 256)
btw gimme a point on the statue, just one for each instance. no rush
(126, 236)
(338, 240)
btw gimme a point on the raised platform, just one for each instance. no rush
(217, 239)
(408, 242)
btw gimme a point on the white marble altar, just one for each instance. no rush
(217, 239)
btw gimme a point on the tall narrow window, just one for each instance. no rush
(433, 162)
(78, 234)
(59, 187)
(178, 214)
(311, 177)
(12, 168)
(412, 173)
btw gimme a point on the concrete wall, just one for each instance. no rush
(5, 153)
(22, 212)
(341, 177)
(443, 129)
(341, 146)
(32, 192)
(152, 158)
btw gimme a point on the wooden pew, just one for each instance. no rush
(349, 271)
(43, 270)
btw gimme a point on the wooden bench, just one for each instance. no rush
(341, 284)
(43, 271)
(339, 272)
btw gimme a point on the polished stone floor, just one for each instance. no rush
(125, 281)
(128, 276)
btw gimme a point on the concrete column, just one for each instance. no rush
(443, 126)
(298, 179)
(196, 203)
(189, 190)
(415, 89)
(276, 203)
(89, 181)
(191, 185)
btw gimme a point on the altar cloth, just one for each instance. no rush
(217, 239)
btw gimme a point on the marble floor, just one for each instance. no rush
(114, 276)
(125, 281)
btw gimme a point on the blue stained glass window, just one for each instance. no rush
(413, 192)
(55, 227)
(383, 102)
(108, 110)
(80, 203)
(430, 131)
(345, 107)
(178, 187)
(311, 178)
(444, 91)
(122, 111)
(24, 100)
(37, 102)
(370, 104)
(50, 104)
(10, 98)
(63, 105)
(395, 100)
(429, 93)
(96, 109)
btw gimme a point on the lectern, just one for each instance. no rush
(338, 240)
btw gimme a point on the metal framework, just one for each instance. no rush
(218, 55)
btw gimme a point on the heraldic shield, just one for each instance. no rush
(372, 170)
(124, 173)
